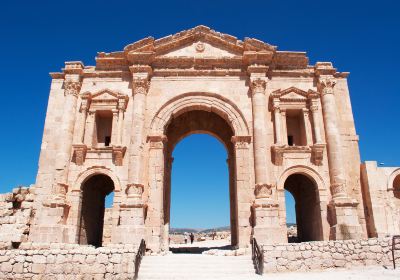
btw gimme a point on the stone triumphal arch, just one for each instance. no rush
(286, 125)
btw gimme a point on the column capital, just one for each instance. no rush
(157, 141)
(325, 84)
(140, 85)
(72, 87)
(241, 142)
(314, 108)
(258, 85)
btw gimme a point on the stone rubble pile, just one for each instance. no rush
(16, 214)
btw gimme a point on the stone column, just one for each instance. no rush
(342, 206)
(140, 86)
(265, 207)
(307, 128)
(284, 128)
(242, 191)
(82, 121)
(316, 128)
(91, 120)
(121, 110)
(155, 214)
(333, 137)
(278, 124)
(259, 104)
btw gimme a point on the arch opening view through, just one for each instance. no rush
(93, 207)
(303, 193)
(200, 192)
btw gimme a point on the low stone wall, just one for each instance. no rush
(321, 255)
(67, 261)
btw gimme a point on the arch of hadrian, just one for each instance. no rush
(286, 125)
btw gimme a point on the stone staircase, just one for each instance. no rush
(197, 266)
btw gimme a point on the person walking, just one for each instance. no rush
(191, 237)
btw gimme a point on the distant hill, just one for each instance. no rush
(208, 230)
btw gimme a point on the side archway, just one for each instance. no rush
(306, 186)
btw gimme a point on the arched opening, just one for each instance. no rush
(307, 207)
(396, 187)
(94, 192)
(201, 122)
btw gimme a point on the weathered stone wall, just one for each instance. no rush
(15, 215)
(67, 261)
(321, 255)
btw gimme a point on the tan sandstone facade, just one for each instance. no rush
(286, 125)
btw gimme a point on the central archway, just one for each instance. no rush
(199, 112)
(196, 122)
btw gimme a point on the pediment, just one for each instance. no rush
(200, 49)
(105, 94)
(292, 93)
(186, 43)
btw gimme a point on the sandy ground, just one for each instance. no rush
(361, 273)
(204, 244)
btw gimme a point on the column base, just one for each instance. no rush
(347, 224)
(267, 229)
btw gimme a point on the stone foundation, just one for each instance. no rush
(322, 255)
(67, 261)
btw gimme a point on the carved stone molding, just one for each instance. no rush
(241, 142)
(140, 86)
(118, 154)
(157, 141)
(317, 153)
(338, 190)
(72, 88)
(258, 85)
(134, 190)
(80, 151)
(279, 151)
(263, 191)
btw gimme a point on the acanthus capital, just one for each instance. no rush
(326, 83)
(258, 85)
(157, 141)
(241, 142)
(140, 85)
(72, 87)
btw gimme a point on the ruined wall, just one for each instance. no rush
(321, 255)
(62, 261)
(15, 216)
(382, 207)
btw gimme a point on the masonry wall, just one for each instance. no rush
(62, 261)
(322, 255)
(15, 216)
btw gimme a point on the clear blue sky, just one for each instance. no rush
(361, 37)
